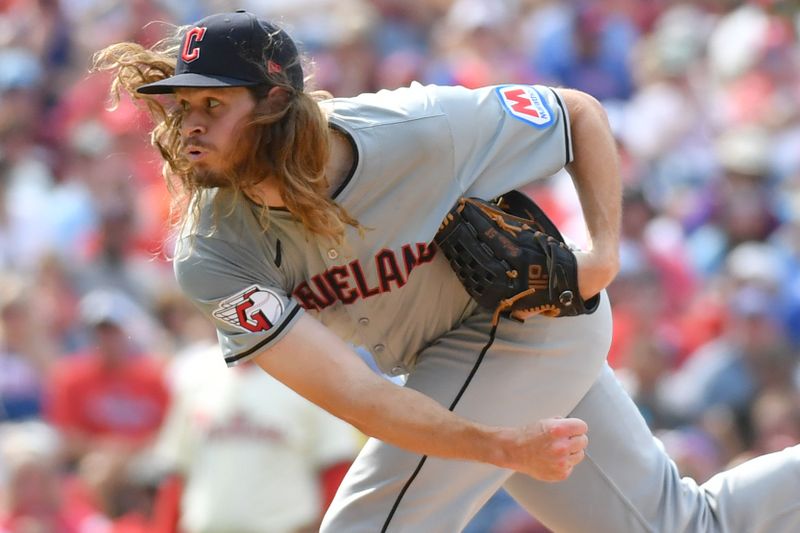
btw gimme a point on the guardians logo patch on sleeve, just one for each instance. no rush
(525, 103)
(253, 309)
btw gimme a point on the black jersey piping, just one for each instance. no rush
(350, 173)
(278, 256)
(567, 136)
(422, 460)
(259, 345)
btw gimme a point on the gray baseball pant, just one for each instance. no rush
(555, 367)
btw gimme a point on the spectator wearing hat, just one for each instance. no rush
(109, 401)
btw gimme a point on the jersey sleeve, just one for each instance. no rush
(243, 297)
(505, 136)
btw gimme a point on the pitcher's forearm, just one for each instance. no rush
(595, 170)
(412, 421)
(341, 383)
(546, 450)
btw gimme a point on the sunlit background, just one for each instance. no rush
(110, 382)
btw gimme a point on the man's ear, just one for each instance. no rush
(277, 99)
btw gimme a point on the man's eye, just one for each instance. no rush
(184, 105)
(213, 102)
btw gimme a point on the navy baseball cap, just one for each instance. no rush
(231, 50)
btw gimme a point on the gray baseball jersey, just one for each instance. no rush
(419, 149)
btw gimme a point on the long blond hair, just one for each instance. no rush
(291, 145)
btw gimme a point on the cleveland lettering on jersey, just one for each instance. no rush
(348, 283)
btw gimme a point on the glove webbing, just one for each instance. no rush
(452, 406)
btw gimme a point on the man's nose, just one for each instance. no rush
(193, 125)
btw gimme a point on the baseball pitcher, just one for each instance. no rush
(389, 221)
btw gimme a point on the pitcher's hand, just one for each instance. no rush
(549, 449)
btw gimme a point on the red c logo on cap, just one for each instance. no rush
(191, 52)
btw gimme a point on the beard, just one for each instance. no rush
(205, 178)
(234, 170)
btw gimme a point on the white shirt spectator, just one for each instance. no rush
(249, 449)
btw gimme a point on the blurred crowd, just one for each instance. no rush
(116, 409)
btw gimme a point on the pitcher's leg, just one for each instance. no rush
(627, 482)
(533, 371)
(761, 495)
(442, 498)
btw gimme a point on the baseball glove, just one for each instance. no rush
(511, 258)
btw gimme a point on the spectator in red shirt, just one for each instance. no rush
(109, 401)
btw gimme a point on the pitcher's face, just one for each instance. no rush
(215, 122)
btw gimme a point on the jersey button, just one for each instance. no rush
(379, 348)
(364, 321)
(398, 370)
(332, 254)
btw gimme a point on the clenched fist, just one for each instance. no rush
(547, 450)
